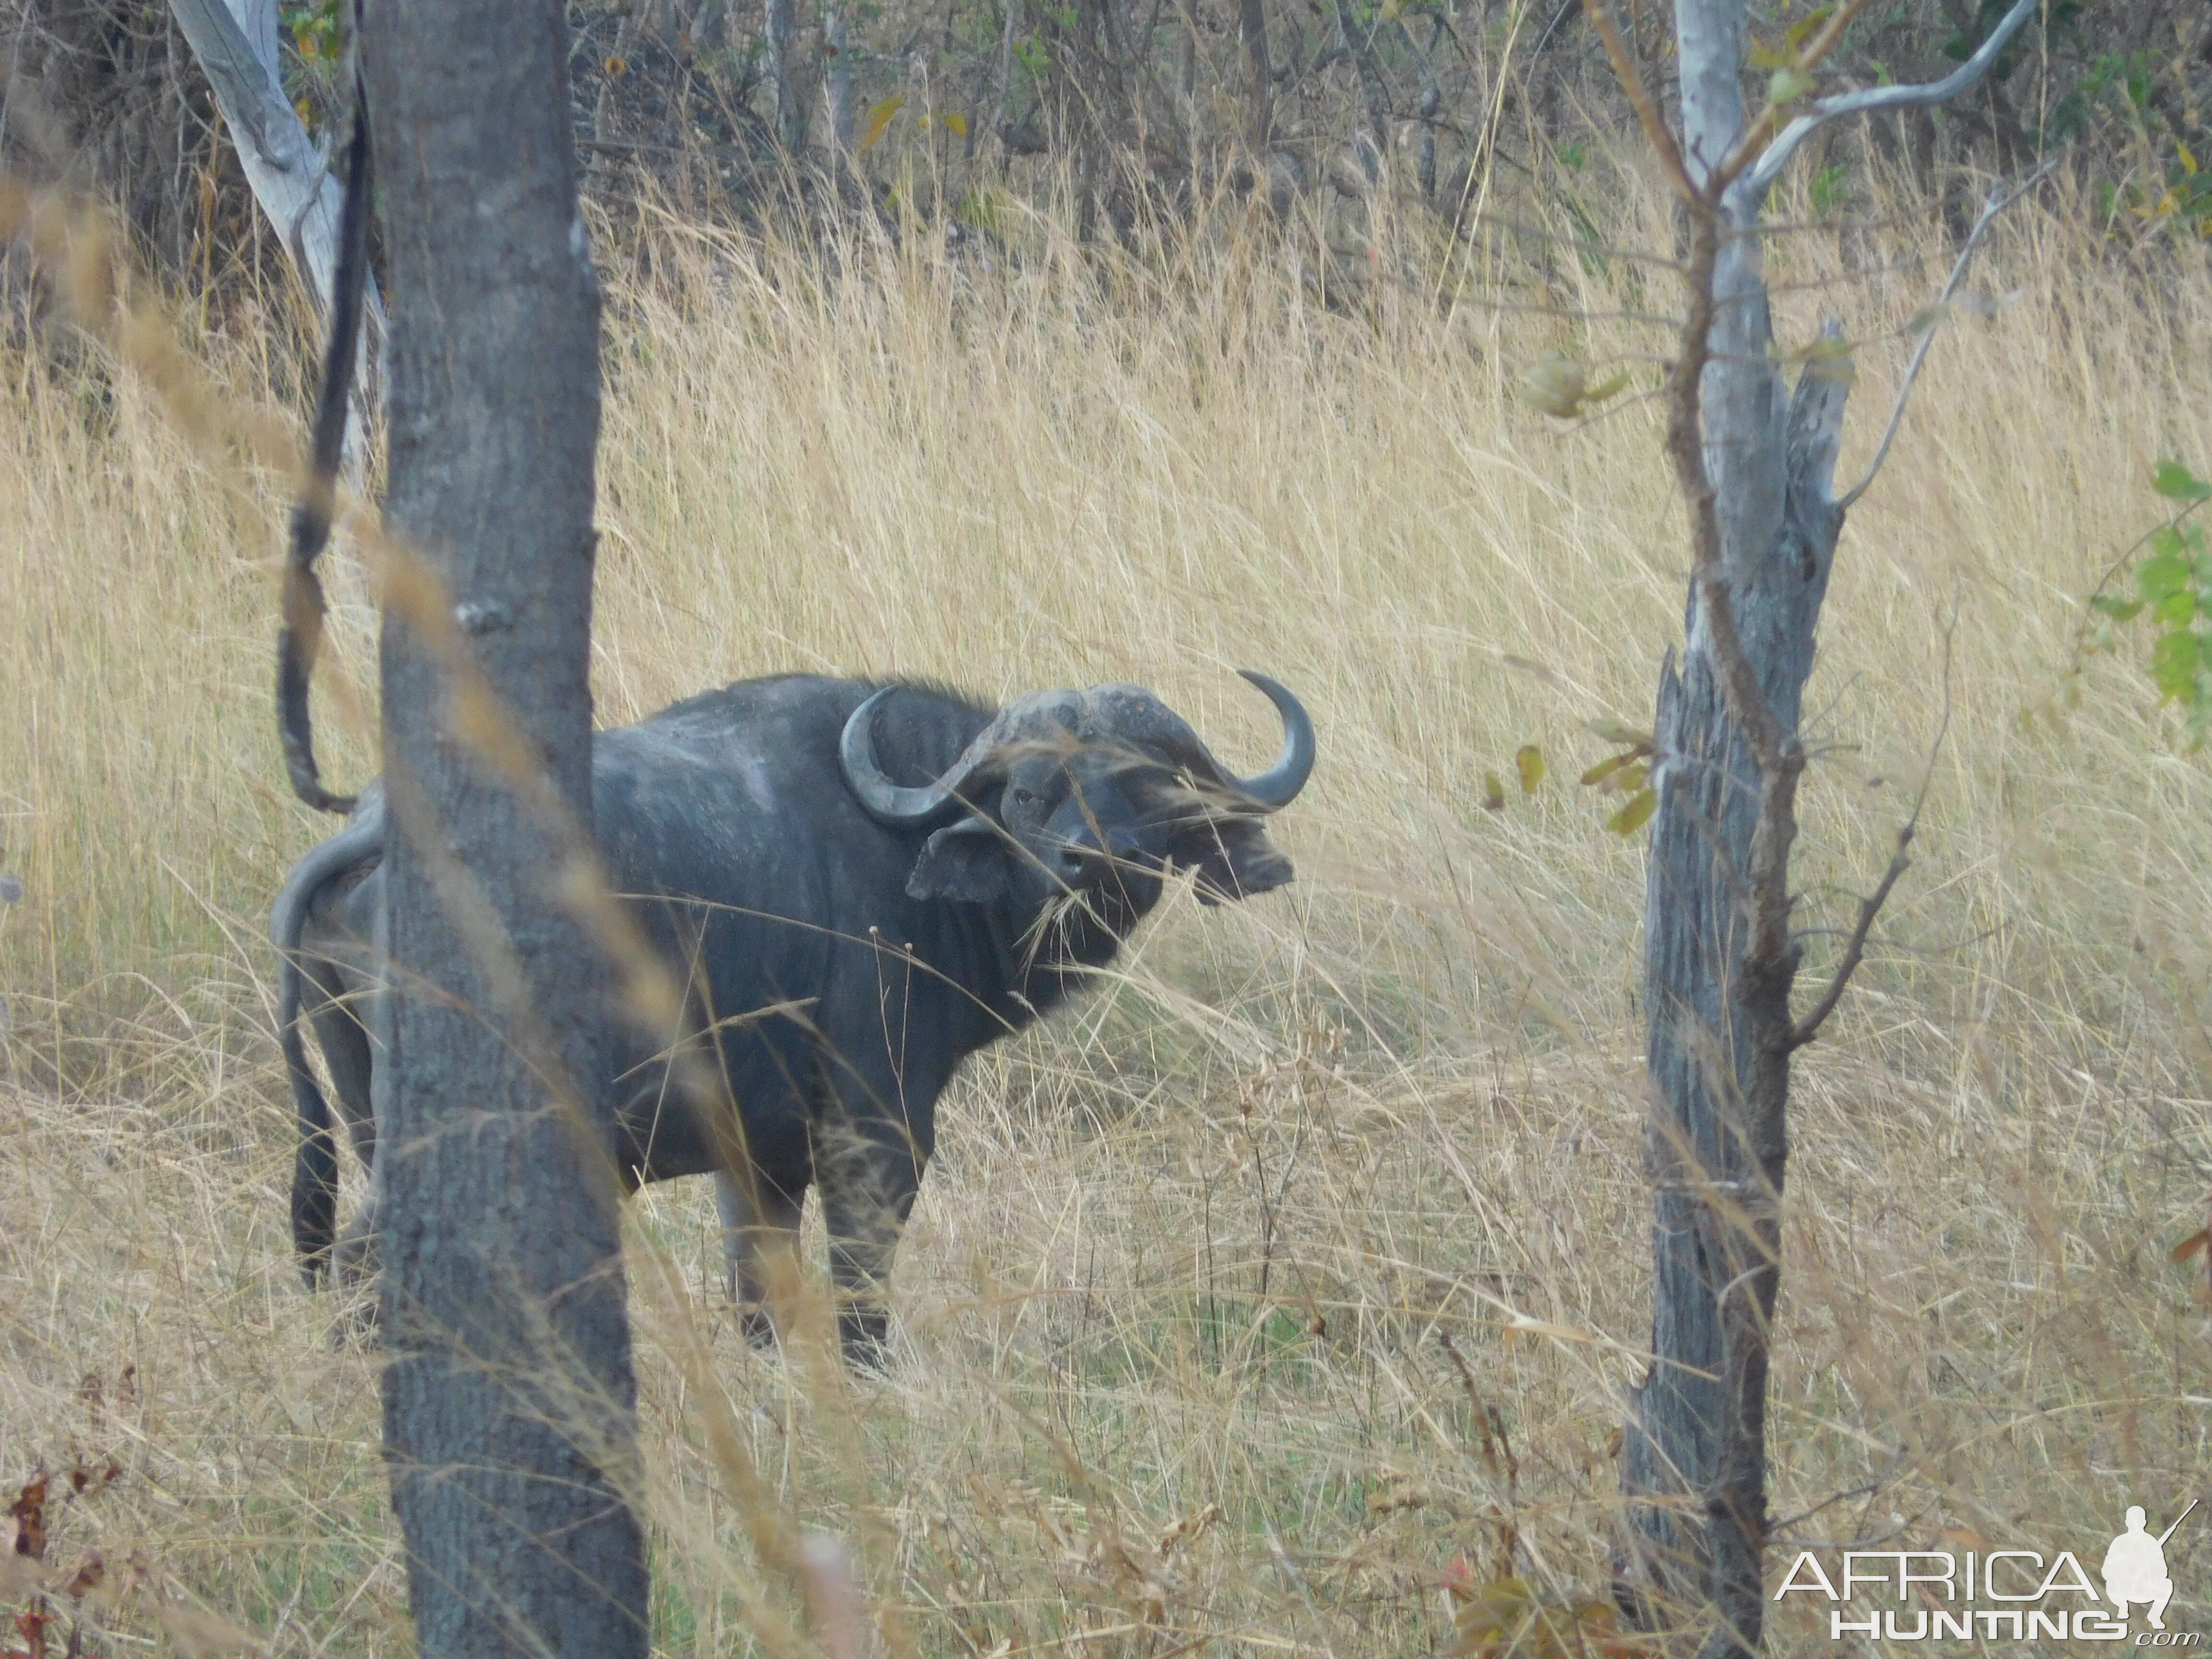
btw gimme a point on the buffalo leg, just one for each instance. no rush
(868, 1183)
(339, 1005)
(356, 1256)
(760, 1240)
(346, 1055)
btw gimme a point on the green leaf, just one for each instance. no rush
(957, 125)
(1528, 762)
(1606, 768)
(2174, 661)
(2162, 575)
(1763, 57)
(1641, 804)
(2118, 609)
(1493, 793)
(2177, 482)
(2177, 608)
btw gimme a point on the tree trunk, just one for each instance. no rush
(1010, 23)
(1718, 1050)
(509, 1405)
(1431, 105)
(837, 78)
(1252, 30)
(1720, 954)
(782, 42)
(1719, 958)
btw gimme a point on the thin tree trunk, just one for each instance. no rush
(1718, 1045)
(1719, 958)
(1425, 170)
(837, 78)
(1011, 21)
(1252, 29)
(509, 1403)
(784, 77)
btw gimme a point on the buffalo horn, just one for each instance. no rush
(1276, 787)
(891, 802)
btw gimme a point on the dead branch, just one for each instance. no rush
(2000, 198)
(1871, 907)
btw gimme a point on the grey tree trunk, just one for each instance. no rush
(509, 1406)
(1010, 23)
(837, 78)
(1719, 958)
(1719, 1032)
(784, 76)
(1756, 468)
(1252, 30)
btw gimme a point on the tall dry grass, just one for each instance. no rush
(1172, 1310)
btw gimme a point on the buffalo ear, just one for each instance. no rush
(967, 862)
(1232, 859)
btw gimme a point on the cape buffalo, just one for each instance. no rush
(861, 884)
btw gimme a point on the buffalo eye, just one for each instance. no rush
(1023, 798)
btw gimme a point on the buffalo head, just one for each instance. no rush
(1089, 794)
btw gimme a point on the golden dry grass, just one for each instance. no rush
(1172, 1308)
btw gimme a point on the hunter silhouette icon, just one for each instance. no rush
(2134, 1566)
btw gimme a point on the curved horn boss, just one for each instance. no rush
(1128, 714)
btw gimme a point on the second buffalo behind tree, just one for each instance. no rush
(860, 885)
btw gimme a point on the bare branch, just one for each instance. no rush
(1855, 948)
(2000, 198)
(1748, 147)
(1871, 907)
(1874, 99)
(1632, 82)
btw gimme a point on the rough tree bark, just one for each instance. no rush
(509, 1399)
(1755, 465)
